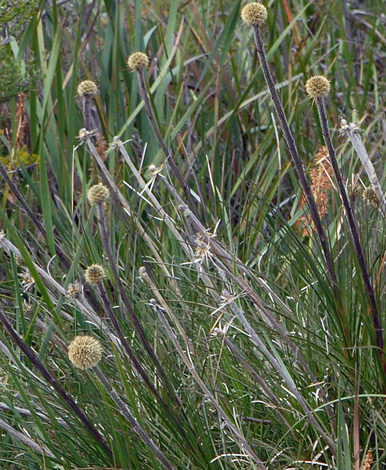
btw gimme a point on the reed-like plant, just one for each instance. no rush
(183, 284)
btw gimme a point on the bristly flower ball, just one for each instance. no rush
(254, 14)
(87, 88)
(138, 61)
(370, 195)
(318, 86)
(98, 194)
(95, 274)
(85, 352)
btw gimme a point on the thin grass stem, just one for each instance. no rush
(53, 382)
(188, 363)
(168, 154)
(124, 409)
(352, 131)
(43, 450)
(353, 230)
(295, 157)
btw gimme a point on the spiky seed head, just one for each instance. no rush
(138, 61)
(98, 194)
(254, 14)
(370, 195)
(85, 352)
(95, 274)
(74, 290)
(87, 88)
(318, 86)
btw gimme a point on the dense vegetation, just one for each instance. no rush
(237, 313)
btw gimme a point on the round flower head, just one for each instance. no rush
(138, 61)
(98, 194)
(95, 274)
(318, 86)
(370, 195)
(254, 14)
(85, 352)
(87, 88)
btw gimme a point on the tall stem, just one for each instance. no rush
(124, 409)
(126, 302)
(51, 380)
(297, 162)
(160, 139)
(353, 230)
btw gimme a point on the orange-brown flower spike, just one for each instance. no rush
(254, 14)
(318, 87)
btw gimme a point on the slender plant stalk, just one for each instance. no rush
(352, 131)
(160, 139)
(190, 366)
(297, 162)
(25, 412)
(124, 409)
(52, 381)
(353, 230)
(26, 440)
(86, 101)
(128, 306)
(32, 216)
(138, 366)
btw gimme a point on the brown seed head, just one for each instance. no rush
(318, 86)
(87, 88)
(85, 352)
(370, 195)
(98, 194)
(254, 14)
(95, 274)
(138, 61)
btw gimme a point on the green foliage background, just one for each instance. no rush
(214, 111)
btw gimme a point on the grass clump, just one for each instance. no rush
(198, 215)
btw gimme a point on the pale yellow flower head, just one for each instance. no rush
(95, 274)
(98, 194)
(138, 61)
(318, 86)
(254, 14)
(87, 88)
(85, 352)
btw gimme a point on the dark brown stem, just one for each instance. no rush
(32, 216)
(353, 230)
(86, 111)
(146, 439)
(50, 379)
(137, 365)
(126, 302)
(296, 160)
